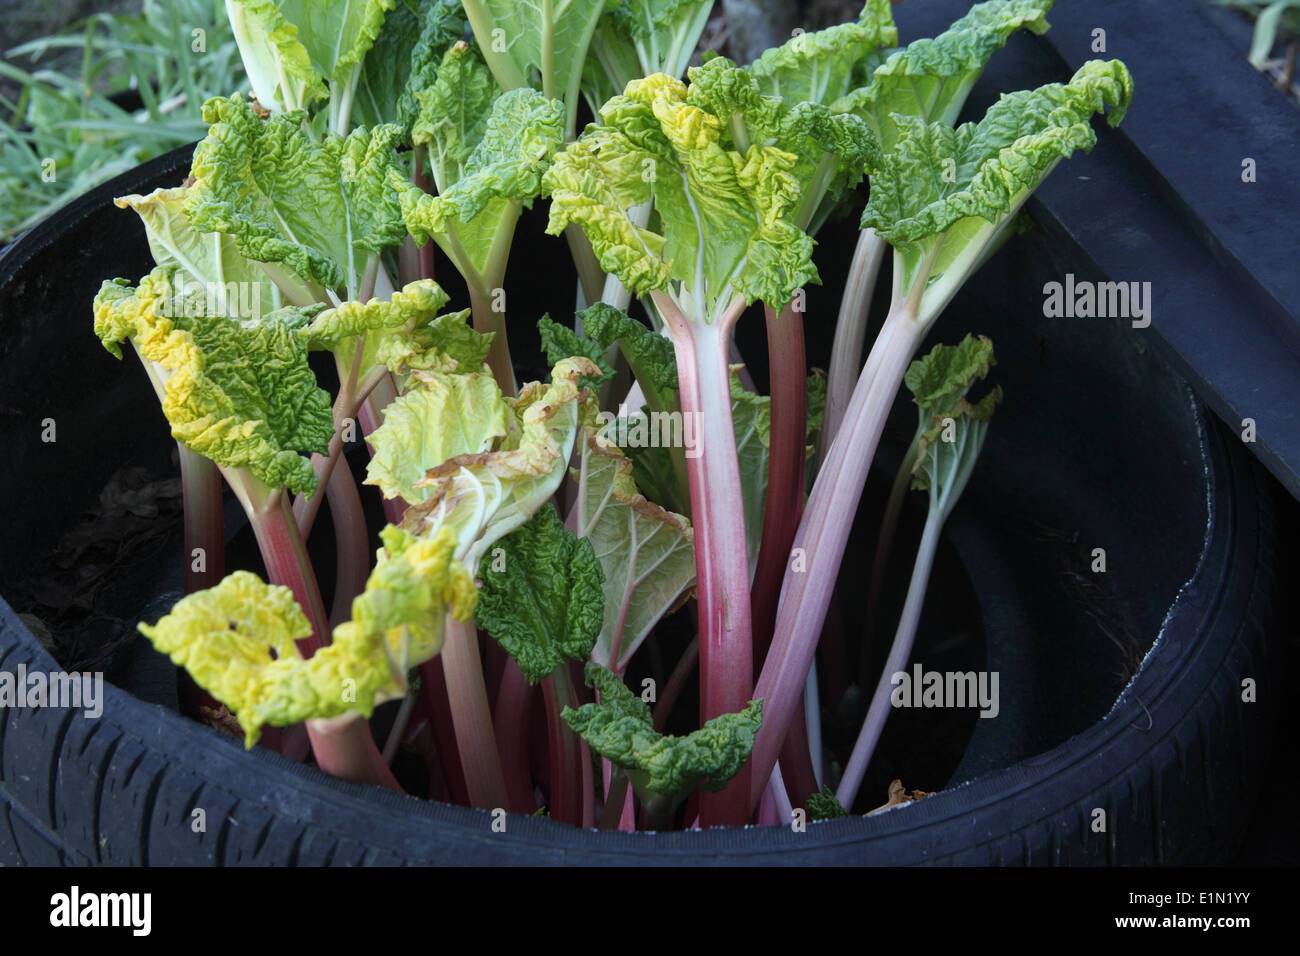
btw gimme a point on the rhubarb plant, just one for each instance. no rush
(541, 533)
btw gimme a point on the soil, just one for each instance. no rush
(71, 597)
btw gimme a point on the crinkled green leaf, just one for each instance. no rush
(819, 67)
(993, 162)
(659, 470)
(646, 552)
(484, 496)
(651, 355)
(726, 218)
(941, 194)
(560, 342)
(414, 304)
(621, 729)
(832, 150)
(453, 112)
(473, 218)
(405, 60)
(824, 806)
(237, 640)
(931, 78)
(447, 344)
(231, 284)
(279, 67)
(946, 372)
(951, 430)
(320, 208)
(543, 601)
(440, 417)
(239, 393)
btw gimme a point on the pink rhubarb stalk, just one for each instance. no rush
(472, 716)
(823, 534)
(721, 555)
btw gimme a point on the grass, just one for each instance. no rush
(103, 95)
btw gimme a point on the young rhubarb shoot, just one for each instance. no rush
(940, 224)
(832, 151)
(950, 436)
(663, 770)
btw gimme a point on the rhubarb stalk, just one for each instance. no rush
(721, 556)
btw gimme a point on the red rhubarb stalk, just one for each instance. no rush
(721, 555)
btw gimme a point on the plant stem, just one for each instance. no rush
(472, 717)
(780, 811)
(416, 262)
(368, 279)
(676, 681)
(823, 534)
(850, 333)
(433, 687)
(488, 319)
(878, 712)
(370, 416)
(795, 763)
(590, 274)
(721, 555)
(351, 542)
(204, 529)
(588, 785)
(615, 797)
(287, 564)
(884, 544)
(399, 727)
(510, 720)
(785, 471)
(813, 719)
(344, 749)
(204, 533)
(565, 798)
(352, 394)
